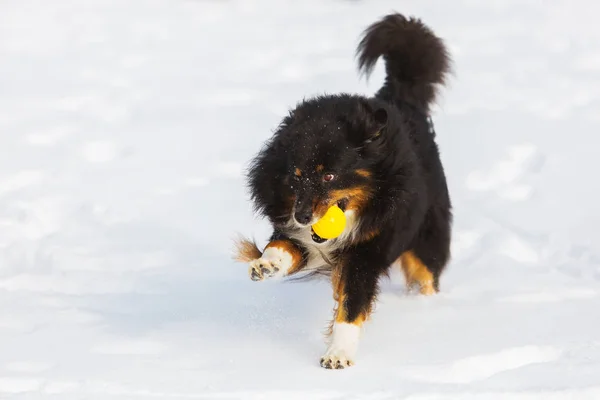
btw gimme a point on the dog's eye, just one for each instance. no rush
(328, 177)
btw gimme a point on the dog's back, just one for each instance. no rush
(417, 64)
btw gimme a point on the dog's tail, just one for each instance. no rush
(416, 60)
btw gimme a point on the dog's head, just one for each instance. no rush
(324, 153)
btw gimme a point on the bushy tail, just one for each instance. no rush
(416, 61)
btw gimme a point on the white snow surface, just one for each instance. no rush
(125, 128)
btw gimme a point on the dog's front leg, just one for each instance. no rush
(355, 281)
(281, 257)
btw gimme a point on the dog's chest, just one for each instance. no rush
(318, 255)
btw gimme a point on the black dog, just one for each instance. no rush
(376, 158)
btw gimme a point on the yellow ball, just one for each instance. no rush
(332, 224)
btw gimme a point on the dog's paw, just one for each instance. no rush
(342, 349)
(263, 268)
(336, 360)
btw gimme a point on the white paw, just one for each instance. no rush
(336, 359)
(274, 262)
(341, 351)
(263, 268)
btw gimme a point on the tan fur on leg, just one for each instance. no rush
(343, 334)
(415, 272)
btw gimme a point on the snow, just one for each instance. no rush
(125, 127)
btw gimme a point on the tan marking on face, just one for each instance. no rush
(320, 208)
(320, 168)
(357, 197)
(365, 173)
(297, 172)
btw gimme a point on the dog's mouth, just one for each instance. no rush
(316, 238)
(342, 204)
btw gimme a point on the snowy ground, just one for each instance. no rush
(124, 128)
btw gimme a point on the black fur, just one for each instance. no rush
(389, 136)
(416, 61)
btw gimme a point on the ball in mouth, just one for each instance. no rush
(316, 238)
(330, 226)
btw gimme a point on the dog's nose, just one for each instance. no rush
(303, 217)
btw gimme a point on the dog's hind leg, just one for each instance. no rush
(429, 252)
(415, 272)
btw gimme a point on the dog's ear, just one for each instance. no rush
(378, 122)
(374, 121)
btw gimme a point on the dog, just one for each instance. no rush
(377, 159)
